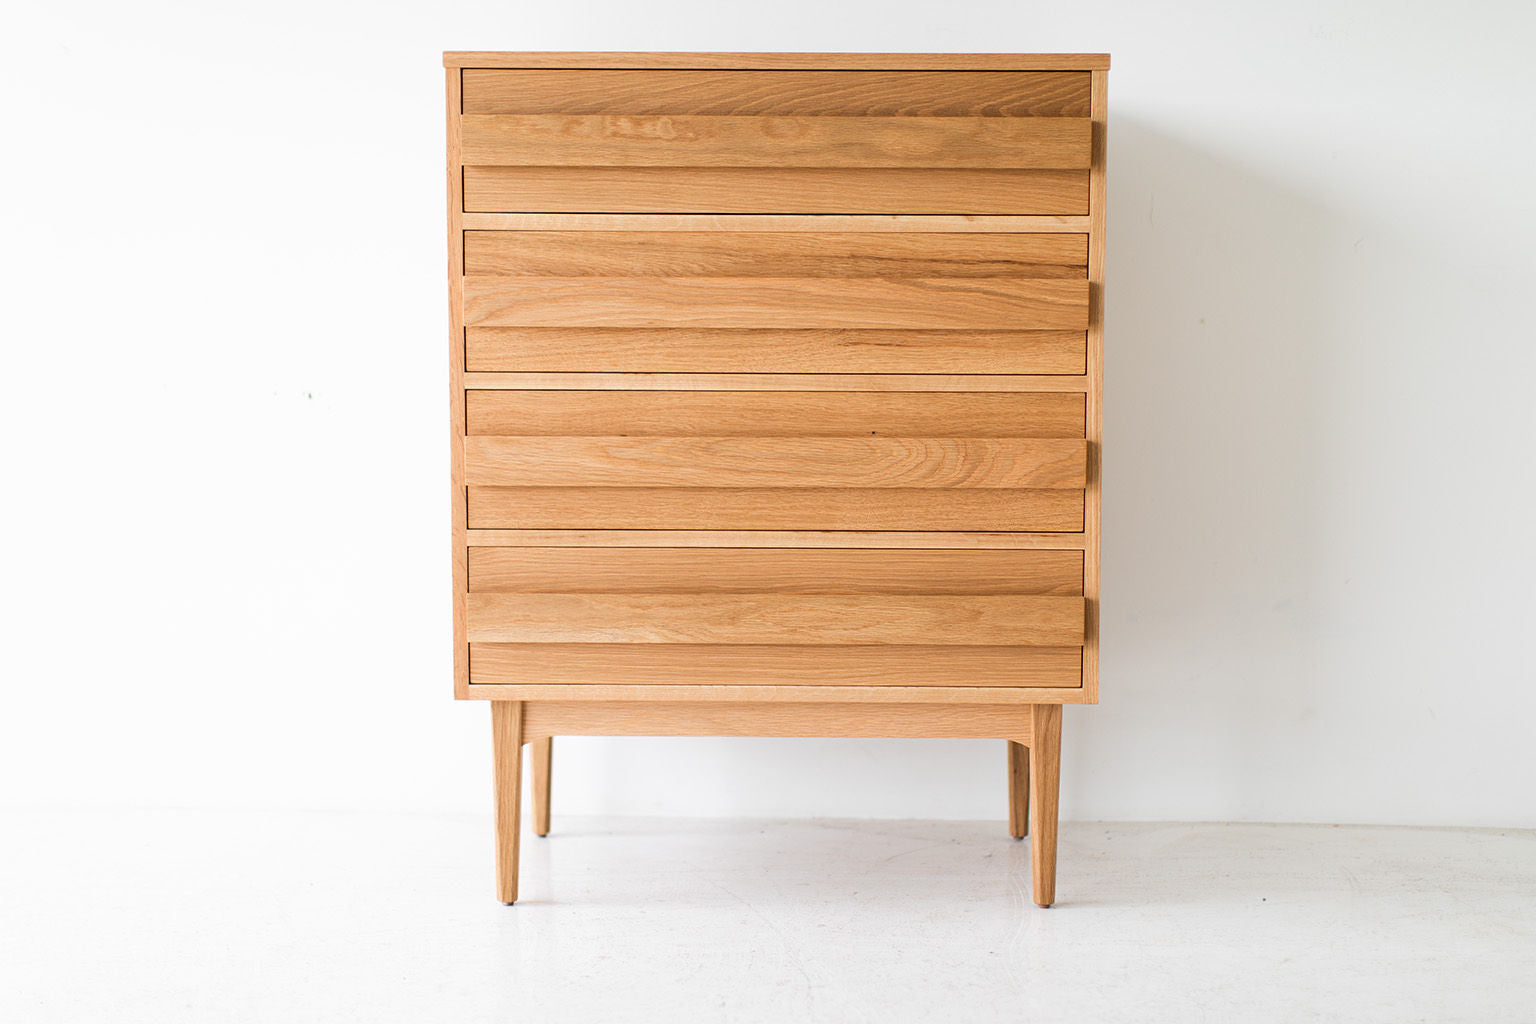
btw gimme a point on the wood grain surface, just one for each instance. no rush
(596, 140)
(824, 665)
(802, 93)
(774, 508)
(773, 414)
(1013, 620)
(928, 462)
(775, 351)
(859, 190)
(944, 303)
(821, 718)
(619, 570)
(773, 254)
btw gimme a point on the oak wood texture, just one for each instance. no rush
(1001, 303)
(780, 61)
(750, 190)
(775, 508)
(991, 138)
(785, 93)
(775, 394)
(1018, 789)
(913, 462)
(865, 693)
(574, 253)
(777, 718)
(520, 414)
(1044, 789)
(507, 768)
(686, 141)
(542, 756)
(621, 570)
(778, 352)
(456, 369)
(642, 668)
(658, 616)
(1092, 513)
(1016, 620)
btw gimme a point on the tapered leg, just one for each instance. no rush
(1045, 788)
(507, 755)
(1018, 790)
(542, 750)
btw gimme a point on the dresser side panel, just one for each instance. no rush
(456, 417)
(1092, 513)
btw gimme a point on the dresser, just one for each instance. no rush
(774, 389)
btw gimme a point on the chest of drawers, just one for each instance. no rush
(775, 402)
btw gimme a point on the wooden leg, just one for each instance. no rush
(1045, 789)
(507, 755)
(542, 750)
(1018, 790)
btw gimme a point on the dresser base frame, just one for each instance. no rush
(1033, 732)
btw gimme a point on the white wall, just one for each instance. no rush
(225, 563)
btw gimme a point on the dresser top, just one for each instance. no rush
(784, 61)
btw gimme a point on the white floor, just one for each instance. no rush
(226, 917)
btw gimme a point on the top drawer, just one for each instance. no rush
(871, 142)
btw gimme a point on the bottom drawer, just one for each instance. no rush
(713, 616)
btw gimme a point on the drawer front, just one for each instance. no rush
(658, 616)
(770, 302)
(775, 142)
(775, 460)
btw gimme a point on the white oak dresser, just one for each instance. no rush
(775, 402)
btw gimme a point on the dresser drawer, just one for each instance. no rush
(775, 280)
(775, 460)
(747, 301)
(763, 616)
(631, 141)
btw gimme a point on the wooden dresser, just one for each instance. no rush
(775, 402)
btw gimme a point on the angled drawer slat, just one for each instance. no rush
(917, 462)
(775, 665)
(513, 413)
(866, 93)
(774, 254)
(815, 619)
(773, 350)
(621, 140)
(774, 508)
(742, 302)
(861, 190)
(778, 571)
